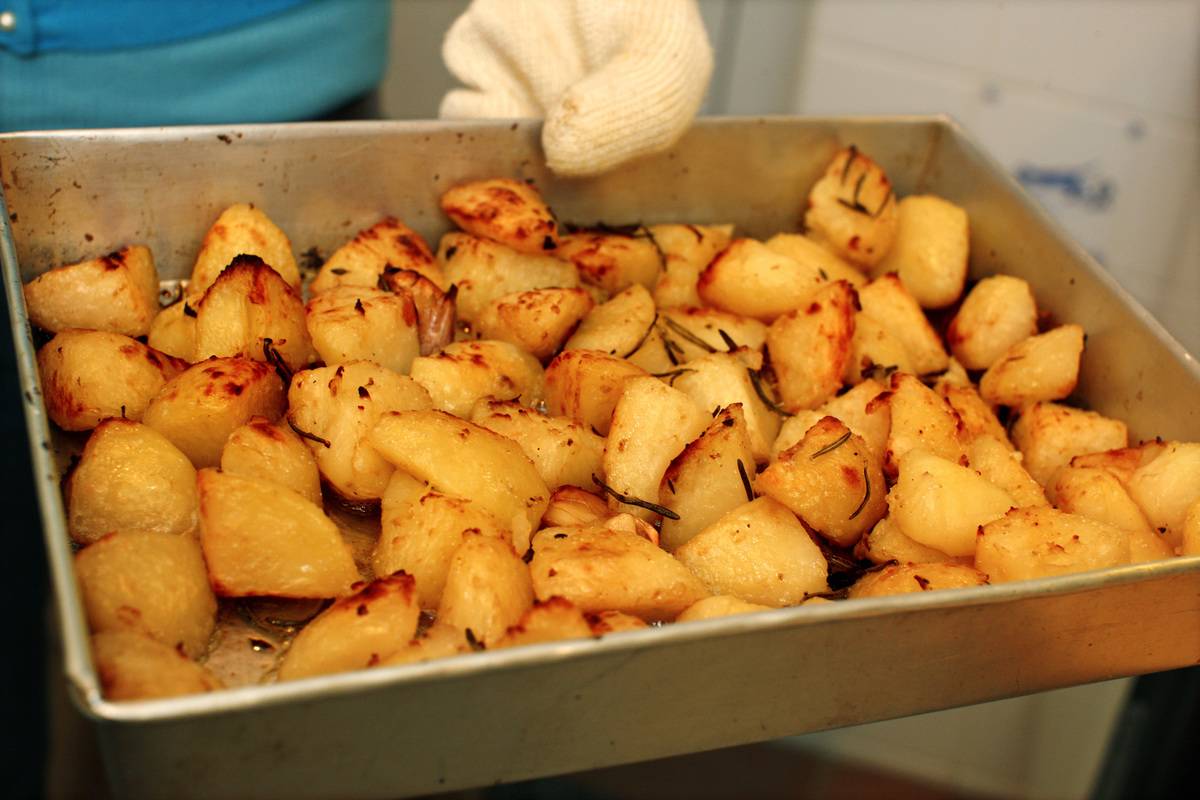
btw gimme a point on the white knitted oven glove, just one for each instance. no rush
(614, 79)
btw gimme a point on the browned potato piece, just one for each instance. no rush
(600, 568)
(1050, 435)
(203, 405)
(585, 386)
(550, 621)
(683, 326)
(977, 417)
(130, 478)
(270, 452)
(355, 632)
(617, 327)
(919, 418)
(613, 262)
(88, 376)
(1002, 466)
(440, 641)
(723, 379)
(997, 313)
(116, 293)
(487, 590)
(712, 476)
(1096, 493)
(1167, 486)
(149, 583)
(906, 578)
(1123, 461)
(941, 504)
(829, 266)
(570, 505)
(1043, 367)
(335, 409)
(537, 321)
(851, 409)
(358, 323)
(651, 424)
(888, 302)
(242, 229)
(132, 666)
(363, 260)
(484, 270)
(173, 331)
(250, 311)
(466, 372)
(605, 622)
(688, 250)
(886, 542)
(831, 480)
(421, 537)
(852, 209)
(505, 210)
(722, 605)
(463, 459)
(760, 553)
(809, 347)
(562, 450)
(750, 279)
(874, 351)
(1040, 542)
(262, 539)
(930, 250)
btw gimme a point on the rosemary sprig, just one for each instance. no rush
(837, 594)
(686, 334)
(730, 344)
(674, 351)
(276, 360)
(474, 643)
(745, 481)
(634, 501)
(850, 159)
(760, 390)
(879, 372)
(834, 445)
(303, 434)
(866, 496)
(671, 374)
(642, 340)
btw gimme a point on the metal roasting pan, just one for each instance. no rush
(555, 708)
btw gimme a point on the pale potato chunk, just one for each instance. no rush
(355, 632)
(358, 323)
(538, 321)
(271, 452)
(150, 583)
(570, 505)
(130, 478)
(941, 504)
(335, 409)
(919, 418)
(875, 351)
(1191, 531)
(713, 475)
(585, 386)
(886, 542)
(750, 279)
(614, 262)
(366, 258)
(1002, 466)
(262, 539)
(829, 266)
(484, 270)
(997, 313)
(851, 408)
(1049, 435)
(1096, 493)
(1040, 542)
(600, 568)
(116, 293)
(723, 379)
(88, 376)
(562, 450)
(504, 210)
(1167, 486)
(550, 621)
(684, 326)
(930, 251)
(242, 229)
(977, 416)
(460, 458)
(131, 666)
(721, 605)
(466, 372)
(173, 331)
(810, 346)
(888, 302)
(852, 209)
(250, 311)
(1122, 461)
(831, 480)
(617, 327)
(760, 553)
(442, 640)
(651, 424)
(907, 578)
(488, 589)
(198, 409)
(605, 622)
(1043, 367)
(688, 250)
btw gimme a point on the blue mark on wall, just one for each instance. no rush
(1077, 184)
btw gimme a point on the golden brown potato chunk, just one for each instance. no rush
(599, 568)
(242, 229)
(875, 350)
(198, 409)
(997, 313)
(116, 293)
(357, 323)
(977, 416)
(537, 321)
(550, 621)
(173, 331)
(617, 327)
(613, 261)
(718, 380)
(363, 260)
(810, 346)
(722, 605)
(88, 376)
(930, 250)
(441, 640)
(852, 209)
(585, 386)
(907, 578)
(1167, 486)
(888, 302)
(484, 270)
(851, 408)
(272, 452)
(150, 583)
(130, 478)
(688, 250)
(1002, 466)
(1122, 461)
(919, 419)
(750, 279)
(132, 666)
(1096, 493)
(466, 372)
(1049, 435)
(605, 622)
(488, 589)
(886, 542)
(262, 539)
(504, 210)
(829, 266)
(1040, 542)
(1043, 367)
(355, 632)
(562, 450)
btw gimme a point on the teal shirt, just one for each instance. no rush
(120, 63)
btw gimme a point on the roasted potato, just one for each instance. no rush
(1002, 466)
(356, 323)
(272, 452)
(488, 589)
(810, 346)
(563, 451)
(1039, 542)
(930, 250)
(364, 260)
(242, 229)
(1040, 368)
(886, 542)
(721, 605)
(550, 621)
(538, 321)
(484, 270)
(720, 380)
(906, 578)
(617, 327)
(851, 409)
(606, 622)
(441, 640)
(117, 293)
(852, 209)
(918, 419)
(750, 279)
(504, 210)
(132, 666)
(1167, 487)
(875, 350)
(466, 372)
(1049, 435)
(1096, 493)
(613, 261)
(998, 313)
(888, 302)
(173, 331)
(829, 266)
(688, 250)
(585, 386)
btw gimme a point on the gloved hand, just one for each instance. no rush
(614, 79)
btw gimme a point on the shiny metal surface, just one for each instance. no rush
(555, 708)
